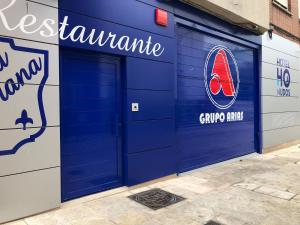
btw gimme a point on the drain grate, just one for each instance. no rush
(156, 198)
(211, 222)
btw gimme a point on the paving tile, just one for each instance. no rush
(48, 221)
(297, 198)
(177, 219)
(190, 211)
(94, 197)
(282, 179)
(247, 207)
(249, 192)
(159, 184)
(92, 221)
(190, 179)
(191, 187)
(277, 220)
(20, 222)
(275, 193)
(63, 216)
(292, 155)
(248, 186)
(120, 209)
(150, 222)
(232, 220)
(138, 190)
(191, 184)
(132, 217)
(186, 193)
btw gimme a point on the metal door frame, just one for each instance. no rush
(119, 117)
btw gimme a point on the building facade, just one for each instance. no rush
(102, 94)
(284, 19)
(252, 15)
(280, 75)
(30, 124)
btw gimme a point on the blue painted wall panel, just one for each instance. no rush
(214, 137)
(130, 13)
(152, 104)
(149, 165)
(150, 134)
(149, 74)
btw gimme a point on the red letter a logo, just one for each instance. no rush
(222, 78)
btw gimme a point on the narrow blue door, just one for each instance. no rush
(90, 123)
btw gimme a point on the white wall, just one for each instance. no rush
(30, 178)
(280, 114)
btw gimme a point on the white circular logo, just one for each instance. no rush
(221, 77)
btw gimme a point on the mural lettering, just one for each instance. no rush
(12, 85)
(221, 80)
(3, 61)
(23, 75)
(81, 34)
(207, 118)
(283, 78)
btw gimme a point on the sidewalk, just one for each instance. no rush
(259, 190)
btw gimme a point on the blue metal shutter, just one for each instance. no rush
(205, 144)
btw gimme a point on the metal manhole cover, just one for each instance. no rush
(211, 222)
(156, 198)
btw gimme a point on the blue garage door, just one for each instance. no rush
(90, 123)
(216, 114)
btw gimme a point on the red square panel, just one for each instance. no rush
(161, 17)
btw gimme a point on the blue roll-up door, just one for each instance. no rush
(216, 114)
(90, 123)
